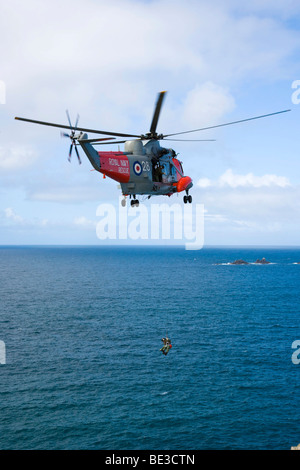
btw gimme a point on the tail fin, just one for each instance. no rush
(90, 152)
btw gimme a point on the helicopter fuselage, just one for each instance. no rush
(141, 169)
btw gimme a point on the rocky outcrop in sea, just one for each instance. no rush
(239, 261)
(262, 261)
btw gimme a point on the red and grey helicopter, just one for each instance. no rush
(144, 167)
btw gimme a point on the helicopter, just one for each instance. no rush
(144, 167)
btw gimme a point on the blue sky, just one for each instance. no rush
(106, 60)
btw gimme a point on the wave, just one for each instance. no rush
(244, 264)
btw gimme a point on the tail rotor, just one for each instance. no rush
(72, 137)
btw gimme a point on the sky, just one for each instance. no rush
(219, 61)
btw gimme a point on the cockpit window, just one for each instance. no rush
(166, 168)
(173, 170)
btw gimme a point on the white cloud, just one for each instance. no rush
(85, 223)
(250, 180)
(187, 43)
(218, 218)
(234, 180)
(206, 103)
(204, 183)
(249, 208)
(12, 216)
(13, 219)
(16, 157)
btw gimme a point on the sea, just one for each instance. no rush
(81, 330)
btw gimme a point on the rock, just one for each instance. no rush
(239, 261)
(262, 261)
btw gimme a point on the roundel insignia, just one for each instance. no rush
(137, 168)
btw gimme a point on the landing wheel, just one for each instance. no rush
(135, 202)
(187, 199)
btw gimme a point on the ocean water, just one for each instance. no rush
(82, 327)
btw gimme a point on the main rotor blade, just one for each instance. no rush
(228, 123)
(192, 140)
(157, 111)
(96, 140)
(94, 131)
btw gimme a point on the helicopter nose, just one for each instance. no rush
(184, 184)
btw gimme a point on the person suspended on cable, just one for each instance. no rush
(167, 345)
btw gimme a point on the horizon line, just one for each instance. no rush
(145, 245)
